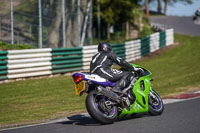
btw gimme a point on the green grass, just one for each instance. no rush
(7, 46)
(38, 99)
(177, 69)
(33, 100)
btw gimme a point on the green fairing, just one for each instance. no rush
(141, 102)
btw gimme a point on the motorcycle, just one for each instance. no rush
(105, 106)
(196, 16)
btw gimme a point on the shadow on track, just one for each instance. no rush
(80, 120)
(83, 120)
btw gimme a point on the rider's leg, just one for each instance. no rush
(123, 82)
(122, 78)
(120, 85)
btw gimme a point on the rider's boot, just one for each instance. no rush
(125, 103)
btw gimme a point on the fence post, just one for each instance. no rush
(79, 24)
(12, 28)
(40, 23)
(85, 23)
(63, 18)
(91, 37)
(99, 21)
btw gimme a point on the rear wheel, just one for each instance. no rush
(99, 108)
(156, 105)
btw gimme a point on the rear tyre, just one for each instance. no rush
(97, 109)
(156, 105)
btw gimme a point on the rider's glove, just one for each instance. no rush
(139, 70)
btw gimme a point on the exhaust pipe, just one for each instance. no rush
(108, 93)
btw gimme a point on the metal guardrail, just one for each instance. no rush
(66, 60)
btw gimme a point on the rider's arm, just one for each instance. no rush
(119, 61)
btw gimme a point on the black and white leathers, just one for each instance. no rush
(101, 64)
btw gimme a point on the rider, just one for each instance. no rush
(197, 14)
(101, 65)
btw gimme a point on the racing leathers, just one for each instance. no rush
(101, 65)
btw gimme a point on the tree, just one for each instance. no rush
(126, 14)
(107, 14)
(165, 7)
(174, 1)
(116, 10)
(159, 6)
(53, 30)
(147, 6)
(166, 2)
(55, 26)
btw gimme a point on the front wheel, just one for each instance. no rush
(98, 108)
(156, 105)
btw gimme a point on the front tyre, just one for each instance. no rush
(156, 105)
(98, 110)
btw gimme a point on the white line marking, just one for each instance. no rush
(197, 92)
(167, 101)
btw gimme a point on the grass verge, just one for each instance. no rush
(176, 69)
(36, 100)
(7, 46)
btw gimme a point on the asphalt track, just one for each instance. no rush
(179, 117)
(181, 25)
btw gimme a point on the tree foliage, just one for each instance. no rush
(113, 11)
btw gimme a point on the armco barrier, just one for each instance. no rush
(133, 50)
(162, 39)
(154, 42)
(169, 37)
(66, 60)
(88, 52)
(145, 46)
(119, 49)
(38, 62)
(28, 63)
(3, 65)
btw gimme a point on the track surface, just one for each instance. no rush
(181, 25)
(179, 117)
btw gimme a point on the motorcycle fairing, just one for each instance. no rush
(95, 79)
(141, 95)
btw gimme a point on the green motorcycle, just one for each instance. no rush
(105, 106)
